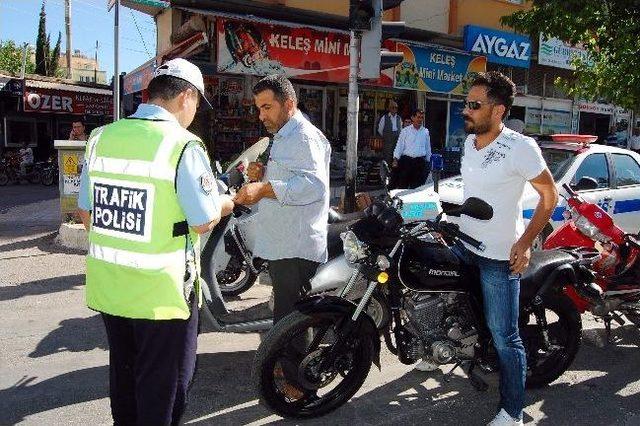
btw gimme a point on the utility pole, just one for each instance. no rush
(366, 60)
(116, 69)
(353, 106)
(23, 68)
(95, 69)
(67, 23)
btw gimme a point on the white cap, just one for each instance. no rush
(181, 68)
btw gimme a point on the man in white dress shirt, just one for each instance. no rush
(412, 153)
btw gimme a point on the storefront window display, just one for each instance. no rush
(233, 124)
(548, 122)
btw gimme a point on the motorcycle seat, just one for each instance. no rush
(541, 265)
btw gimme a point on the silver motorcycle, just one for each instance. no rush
(329, 279)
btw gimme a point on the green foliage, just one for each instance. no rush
(47, 60)
(11, 58)
(41, 46)
(608, 29)
(55, 59)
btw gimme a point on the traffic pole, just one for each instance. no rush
(353, 107)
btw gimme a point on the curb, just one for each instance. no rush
(73, 236)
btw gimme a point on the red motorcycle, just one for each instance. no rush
(615, 289)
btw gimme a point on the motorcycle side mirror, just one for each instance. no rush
(473, 207)
(586, 183)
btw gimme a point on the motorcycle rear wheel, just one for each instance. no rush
(565, 336)
(277, 356)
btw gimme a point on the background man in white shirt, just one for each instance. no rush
(389, 128)
(26, 157)
(497, 164)
(634, 141)
(412, 153)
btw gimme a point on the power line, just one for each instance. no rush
(139, 33)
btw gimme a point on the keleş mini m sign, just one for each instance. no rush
(499, 47)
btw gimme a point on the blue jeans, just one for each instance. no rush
(501, 292)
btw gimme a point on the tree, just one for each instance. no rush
(41, 44)
(47, 60)
(54, 70)
(607, 29)
(11, 58)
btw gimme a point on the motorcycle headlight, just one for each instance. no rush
(586, 227)
(354, 249)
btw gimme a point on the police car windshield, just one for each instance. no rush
(558, 161)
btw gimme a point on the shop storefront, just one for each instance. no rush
(598, 119)
(440, 78)
(243, 49)
(46, 110)
(11, 91)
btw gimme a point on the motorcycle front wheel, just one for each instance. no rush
(544, 365)
(299, 373)
(34, 177)
(235, 280)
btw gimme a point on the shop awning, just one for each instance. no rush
(139, 78)
(149, 7)
(40, 84)
(279, 14)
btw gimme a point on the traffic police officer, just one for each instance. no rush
(147, 191)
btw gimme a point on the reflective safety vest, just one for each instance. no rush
(138, 237)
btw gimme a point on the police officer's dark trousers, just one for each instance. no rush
(151, 364)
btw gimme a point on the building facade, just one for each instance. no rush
(445, 43)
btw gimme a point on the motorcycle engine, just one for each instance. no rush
(442, 327)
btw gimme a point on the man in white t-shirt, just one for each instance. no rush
(497, 164)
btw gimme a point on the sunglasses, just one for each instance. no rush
(474, 105)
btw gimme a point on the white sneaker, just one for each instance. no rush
(426, 365)
(504, 419)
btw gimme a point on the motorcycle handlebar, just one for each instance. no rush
(239, 209)
(569, 190)
(454, 231)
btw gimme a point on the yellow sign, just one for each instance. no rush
(70, 164)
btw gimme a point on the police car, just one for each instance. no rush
(606, 175)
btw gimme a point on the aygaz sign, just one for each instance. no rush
(499, 47)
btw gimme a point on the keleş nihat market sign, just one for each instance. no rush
(63, 102)
(499, 47)
(435, 70)
(254, 48)
(556, 53)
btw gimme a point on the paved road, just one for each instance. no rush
(53, 355)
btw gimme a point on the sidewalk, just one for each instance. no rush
(28, 210)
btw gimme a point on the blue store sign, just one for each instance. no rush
(432, 69)
(499, 47)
